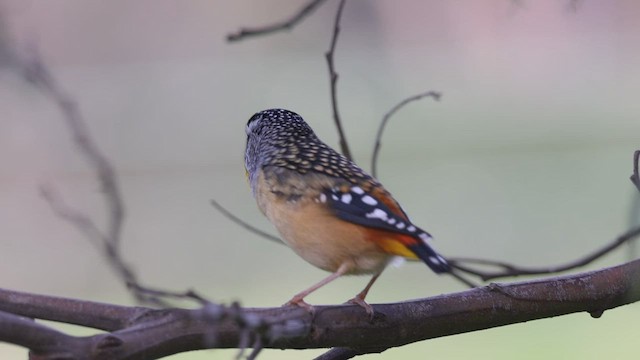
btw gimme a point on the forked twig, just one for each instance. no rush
(39, 75)
(333, 78)
(108, 241)
(280, 26)
(510, 270)
(36, 72)
(376, 148)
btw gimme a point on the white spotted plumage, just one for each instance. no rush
(377, 214)
(425, 237)
(369, 200)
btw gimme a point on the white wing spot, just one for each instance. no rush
(358, 190)
(442, 260)
(369, 200)
(400, 225)
(377, 214)
(323, 198)
(434, 259)
(334, 197)
(391, 221)
(411, 228)
(425, 237)
(346, 198)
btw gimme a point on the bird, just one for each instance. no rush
(326, 208)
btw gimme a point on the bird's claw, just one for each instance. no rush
(301, 303)
(360, 302)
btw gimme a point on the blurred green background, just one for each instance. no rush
(525, 159)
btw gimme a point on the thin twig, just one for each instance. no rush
(37, 73)
(244, 224)
(81, 221)
(333, 76)
(376, 149)
(243, 344)
(345, 353)
(158, 296)
(257, 348)
(635, 177)
(462, 279)
(340, 353)
(510, 270)
(634, 212)
(86, 226)
(280, 26)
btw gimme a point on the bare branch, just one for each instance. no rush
(244, 224)
(333, 77)
(78, 312)
(280, 26)
(164, 332)
(121, 320)
(27, 333)
(376, 149)
(511, 270)
(635, 177)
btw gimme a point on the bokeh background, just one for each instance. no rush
(525, 159)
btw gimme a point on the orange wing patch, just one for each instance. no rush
(392, 243)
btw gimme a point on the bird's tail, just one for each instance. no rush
(426, 253)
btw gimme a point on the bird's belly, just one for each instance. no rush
(326, 241)
(328, 252)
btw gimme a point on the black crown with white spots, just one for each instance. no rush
(281, 137)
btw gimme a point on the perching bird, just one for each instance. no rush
(326, 208)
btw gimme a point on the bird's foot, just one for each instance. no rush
(360, 302)
(299, 302)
